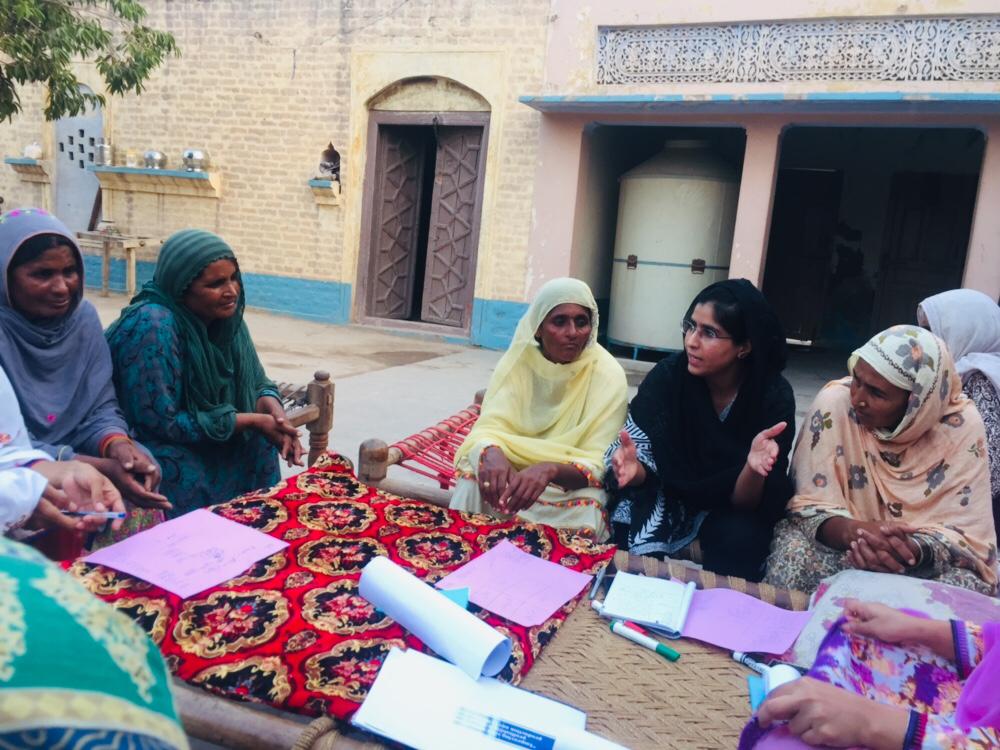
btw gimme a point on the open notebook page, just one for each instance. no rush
(649, 601)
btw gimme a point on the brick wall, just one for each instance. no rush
(264, 86)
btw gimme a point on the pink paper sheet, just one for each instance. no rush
(513, 584)
(189, 554)
(739, 622)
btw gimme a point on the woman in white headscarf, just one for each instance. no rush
(969, 324)
(555, 402)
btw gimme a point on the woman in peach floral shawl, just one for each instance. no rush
(890, 474)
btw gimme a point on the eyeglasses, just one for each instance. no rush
(709, 334)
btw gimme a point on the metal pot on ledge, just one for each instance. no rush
(195, 159)
(154, 159)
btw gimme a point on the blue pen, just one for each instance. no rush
(109, 514)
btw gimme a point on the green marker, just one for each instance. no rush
(620, 628)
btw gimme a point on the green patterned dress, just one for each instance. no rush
(74, 672)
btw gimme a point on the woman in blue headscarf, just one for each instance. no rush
(53, 350)
(190, 381)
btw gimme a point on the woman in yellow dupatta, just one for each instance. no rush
(555, 402)
(890, 474)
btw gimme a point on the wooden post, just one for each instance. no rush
(106, 268)
(320, 393)
(373, 461)
(129, 268)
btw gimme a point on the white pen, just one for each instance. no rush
(746, 661)
(620, 628)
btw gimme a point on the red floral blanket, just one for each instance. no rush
(292, 631)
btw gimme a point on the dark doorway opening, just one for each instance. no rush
(423, 201)
(866, 223)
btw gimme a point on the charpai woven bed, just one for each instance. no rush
(293, 634)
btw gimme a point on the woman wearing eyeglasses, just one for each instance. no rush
(703, 456)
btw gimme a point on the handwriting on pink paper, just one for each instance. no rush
(189, 554)
(513, 584)
(739, 622)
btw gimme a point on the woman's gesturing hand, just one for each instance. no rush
(764, 449)
(625, 463)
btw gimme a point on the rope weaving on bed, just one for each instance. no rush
(431, 452)
(292, 631)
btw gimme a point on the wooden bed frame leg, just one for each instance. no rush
(320, 392)
(480, 395)
(373, 461)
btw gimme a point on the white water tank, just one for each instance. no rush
(676, 213)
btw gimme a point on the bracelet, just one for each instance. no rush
(916, 730)
(482, 453)
(107, 442)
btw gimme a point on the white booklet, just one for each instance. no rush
(661, 604)
(429, 704)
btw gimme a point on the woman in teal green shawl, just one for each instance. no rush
(74, 672)
(190, 382)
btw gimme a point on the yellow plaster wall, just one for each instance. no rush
(264, 86)
(26, 128)
(428, 95)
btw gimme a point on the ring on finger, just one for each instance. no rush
(486, 484)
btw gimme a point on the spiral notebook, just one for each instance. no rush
(657, 603)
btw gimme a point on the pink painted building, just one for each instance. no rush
(865, 137)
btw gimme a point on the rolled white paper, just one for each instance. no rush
(449, 630)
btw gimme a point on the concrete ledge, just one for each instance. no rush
(29, 170)
(325, 192)
(160, 181)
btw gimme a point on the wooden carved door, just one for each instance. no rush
(395, 222)
(449, 277)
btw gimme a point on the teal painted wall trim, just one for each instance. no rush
(92, 272)
(322, 301)
(494, 321)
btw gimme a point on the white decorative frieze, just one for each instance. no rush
(891, 49)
